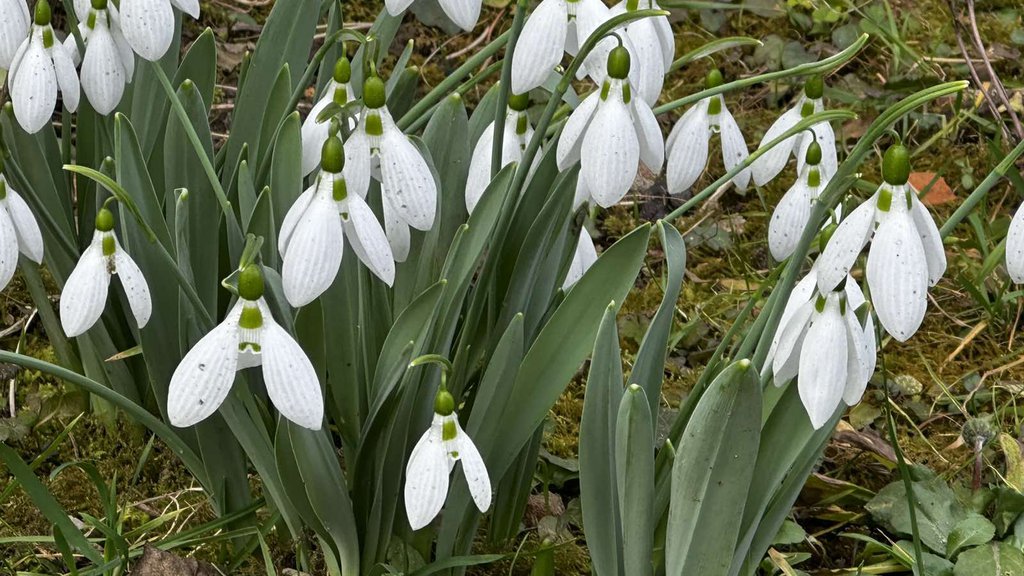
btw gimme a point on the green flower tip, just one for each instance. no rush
(250, 283)
(896, 165)
(714, 79)
(373, 92)
(43, 13)
(99, 4)
(813, 156)
(332, 155)
(519, 102)
(104, 220)
(342, 70)
(743, 365)
(814, 87)
(444, 403)
(618, 63)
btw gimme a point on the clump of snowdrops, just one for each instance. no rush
(374, 307)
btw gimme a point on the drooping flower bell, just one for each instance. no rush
(148, 25)
(768, 166)
(315, 133)
(610, 133)
(19, 231)
(407, 185)
(312, 234)
(515, 137)
(85, 292)
(248, 337)
(906, 255)
(794, 210)
(464, 13)
(583, 258)
(1015, 247)
(688, 142)
(15, 24)
(651, 45)
(109, 62)
(41, 66)
(432, 461)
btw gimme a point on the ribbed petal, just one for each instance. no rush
(898, 275)
(846, 242)
(647, 59)
(1015, 247)
(34, 88)
(540, 46)
(290, 377)
(474, 469)
(102, 72)
(71, 45)
(8, 247)
(357, 160)
(479, 168)
(768, 166)
(582, 259)
(85, 292)
(463, 12)
(67, 76)
(203, 378)
(611, 151)
(426, 477)
(571, 140)
(869, 346)
(826, 138)
(124, 51)
(688, 148)
(30, 238)
(786, 362)
(589, 15)
(789, 220)
(135, 287)
(582, 195)
(396, 7)
(931, 241)
(314, 133)
(397, 232)
(314, 252)
(666, 39)
(823, 365)
(148, 26)
(406, 179)
(854, 295)
(652, 144)
(82, 8)
(857, 374)
(734, 147)
(368, 240)
(190, 7)
(291, 218)
(14, 29)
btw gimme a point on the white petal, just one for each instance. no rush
(589, 15)
(665, 38)
(826, 138)
(368, 240)
(14, 29)
(397, 232)
(474, 469)
(71, 45)
(540, 46)
(688, 148)
(823, 365)
(869, 347)
(582, 195)
(148, 26)
(857, 364)
(582, 259)
(898, 275)
(1015, 247)
(734, 147)
(396, 7)
(479, 168)
(931, 241)
(426, 477)
(789, 220)
(768, 166)
(314, 252)
(463, 12)
(102, 72)
(291, 218)
(571, 140)
(652, 144)
(357, 160)
(124, 52)
(82, 8)
(85, 292)
(854, 295)
(8, 248)
(203, 378)
(611, 151)
(135, 287)
(30, 239)
(67, 77)
(406, 179)
(190, 7)
(647, 59)
(846, 242)
(786, 362)
(314, 133)
(34, 88)
(290, 377)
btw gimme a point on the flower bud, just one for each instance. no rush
(813, 156)
(814, 87)
(444, 403)
(250, 283)
(104, 220)
(714, 79)
(896, 165)
(342, 70)
(43, 13)
(373, 92)
(519, 102)
(332, 155)
(618, 63)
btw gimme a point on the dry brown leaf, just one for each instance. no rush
(939, 191)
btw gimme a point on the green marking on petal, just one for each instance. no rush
(251, 318)
(3, 189)
(819, 304)
(374, 125)
(884, 200)
(522, 122)
(449, 431)
(627, 93)
(48, 37)
(340, 190)
(715, 106)
(340, 95)
(814, 178)
(109, 246)
(256, 348)
(807, 109)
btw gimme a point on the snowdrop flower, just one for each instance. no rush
(906, 255)
(610, 133)
(15, 25)
(582, 259)
(1014, 247)
(688, 142)
(148, 25)
(432, 461)
(19, 231)
(85, 292)
(464, 13)
(407, 184)
(312, 235)
(248, 337)
(652, 46)
(41, 66)
(768, 166)
(109, 62)
(794, 210)
(315, 133)
(516, 137)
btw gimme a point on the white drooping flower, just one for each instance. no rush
(651, 45)
(688, 142)
(40, 66)
(19, 231)
(768, 166)
(794, 210)
(610, 133)
(515, 137)
(906, 255)
(583, 258)
(15, 24)
(432, 461)
(1015, 247)
(464, 13)
(148, 25)
(313, 232)
(315, 133)
(248, 337)
(109, 62)
(408, 189)
(85, 292)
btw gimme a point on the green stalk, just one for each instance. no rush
(979, 193)
(463, 88)
(504, 87)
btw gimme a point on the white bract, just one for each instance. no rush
(516, 136)
(464, 13)
(315, 133)
(408, 190)
(794, 210)
(432, 461)
(311, 240)
(15, 24)
(85, 292)
(40, 66)
(688, 142)
(768, 165)
(248, 337)
(148, 25)
(583, 258)
(906, 255)
(19, 231)
(109, 62)
(1015, 247)
(609, 134)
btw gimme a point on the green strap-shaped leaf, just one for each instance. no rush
(285, 170)
(200, 66)
(634, 463)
